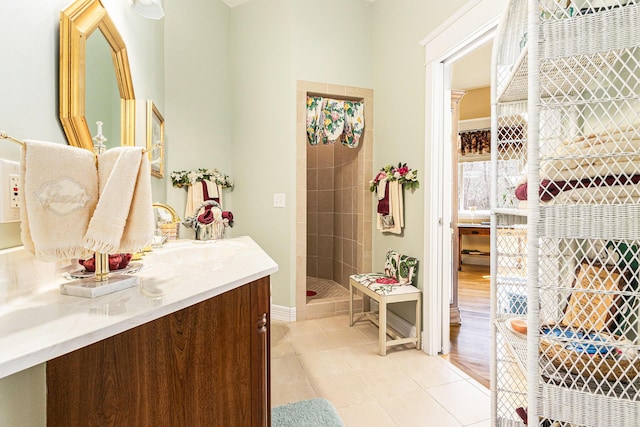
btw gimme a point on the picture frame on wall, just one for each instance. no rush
(155, 139)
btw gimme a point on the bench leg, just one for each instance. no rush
(350, 304)
(382, 325)
(418, 322)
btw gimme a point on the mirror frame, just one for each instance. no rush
(77, 22)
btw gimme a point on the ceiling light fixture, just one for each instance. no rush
(151, 9)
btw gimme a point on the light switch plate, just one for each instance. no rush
(9, 191)
(279, 200)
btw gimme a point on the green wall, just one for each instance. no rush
(198, 94)
(29, 43)
(267, 46)
(399, 85)
(263, 136)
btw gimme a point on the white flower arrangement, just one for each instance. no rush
(184, 178)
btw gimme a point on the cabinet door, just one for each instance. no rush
(192, 367)
(261, 352)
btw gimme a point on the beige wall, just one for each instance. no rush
(476, 104)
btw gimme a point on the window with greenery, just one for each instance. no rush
(474, 185)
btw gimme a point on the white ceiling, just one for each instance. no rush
(473, 70)
(234, 3)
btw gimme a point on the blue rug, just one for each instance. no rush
(306, 413)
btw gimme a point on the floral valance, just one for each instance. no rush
(330, 120)
(475, 142)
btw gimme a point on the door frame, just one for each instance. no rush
(470, 26)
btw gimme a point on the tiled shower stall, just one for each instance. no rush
(334, 207)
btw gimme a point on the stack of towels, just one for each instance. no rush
(70, 209)
(198, 193)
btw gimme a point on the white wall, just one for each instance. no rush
(29, 43)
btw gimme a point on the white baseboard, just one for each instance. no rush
(288, 314)
(396, 322)
(282, 313)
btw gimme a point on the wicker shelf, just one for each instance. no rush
(515, 87)
(553, 76)
(586, 222)
(512, 211)
(585, 263)
(515, 343)
(573, 45)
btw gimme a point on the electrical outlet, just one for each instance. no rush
(10, 191)
(279, 200)
(14, 197)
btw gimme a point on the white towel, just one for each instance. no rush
(213, 190)
(139, 228)
(118, 170)
(194, 199)
(60, 192)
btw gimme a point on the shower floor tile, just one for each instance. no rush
(330, 299)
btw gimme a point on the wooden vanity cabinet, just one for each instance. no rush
(205, 365)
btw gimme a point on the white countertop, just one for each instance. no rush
(38, 323)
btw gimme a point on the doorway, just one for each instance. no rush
(469, 331)
(472, 26)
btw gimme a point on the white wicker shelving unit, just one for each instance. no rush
(566, 107)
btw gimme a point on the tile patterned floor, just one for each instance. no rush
(331, 299)
(327, 358)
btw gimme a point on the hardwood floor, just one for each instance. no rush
(471, 341)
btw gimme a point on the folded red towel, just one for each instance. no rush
(383, 204)
(386, 280)
(207, 216)
(116, 262)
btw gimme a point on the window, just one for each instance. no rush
(474, 187)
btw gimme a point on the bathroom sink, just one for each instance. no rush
(182, 252)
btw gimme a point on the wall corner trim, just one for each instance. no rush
(283, 313)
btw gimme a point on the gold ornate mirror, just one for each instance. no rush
(77, 24)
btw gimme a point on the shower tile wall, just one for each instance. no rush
(347, 227)
(331, 212)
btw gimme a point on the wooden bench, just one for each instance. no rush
(393, 286)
